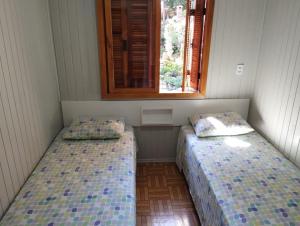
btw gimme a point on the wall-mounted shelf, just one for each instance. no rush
(160, 116)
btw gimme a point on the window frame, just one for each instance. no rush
(106, 61)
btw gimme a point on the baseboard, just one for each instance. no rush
(157, 160)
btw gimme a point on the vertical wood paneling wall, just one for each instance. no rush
(75, 40)
(275, 109)
(236, 37)
(237, 30)
(29, 98)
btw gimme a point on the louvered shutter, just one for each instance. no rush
(119, 35)
(132, 43)
(197, 43)
(194, 39)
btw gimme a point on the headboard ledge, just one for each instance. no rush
(131, 110)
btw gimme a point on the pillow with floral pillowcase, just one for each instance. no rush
(219, 124)
(93, 128)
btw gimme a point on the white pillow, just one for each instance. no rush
(219, 124)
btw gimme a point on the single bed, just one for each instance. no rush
(87, 182)
(239, 180)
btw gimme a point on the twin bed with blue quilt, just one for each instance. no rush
(238, 180)
(80, 182)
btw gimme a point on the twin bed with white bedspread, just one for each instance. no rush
(239, 180)
(80, 182)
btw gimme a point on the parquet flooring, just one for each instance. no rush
(162, 196)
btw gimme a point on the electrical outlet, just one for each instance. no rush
(240, 69)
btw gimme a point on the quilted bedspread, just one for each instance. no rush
(239, 180)
(88, 182)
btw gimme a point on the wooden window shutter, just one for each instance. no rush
(187, 43)
(132, 46)
(140, 46)
(120, 39)
(195, 72)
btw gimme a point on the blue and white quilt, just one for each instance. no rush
(239, 180)
(87, 182)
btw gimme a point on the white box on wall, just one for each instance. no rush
(158, 116)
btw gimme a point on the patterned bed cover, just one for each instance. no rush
(239, 180)
(89, 182)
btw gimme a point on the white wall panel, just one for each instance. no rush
(131, 110)
(236, 36)
(275, 109)
(236, 39)
(30, 114)
(75, 40)
(164, 147)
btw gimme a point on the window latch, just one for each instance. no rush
(192, 12)
(125, 45)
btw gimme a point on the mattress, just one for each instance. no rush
(88, 182)
(239, 180)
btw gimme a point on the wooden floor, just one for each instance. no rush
(162, 196)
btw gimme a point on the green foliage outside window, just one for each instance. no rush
(171, 74)
(172, 44)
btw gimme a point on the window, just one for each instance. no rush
(154, 48)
